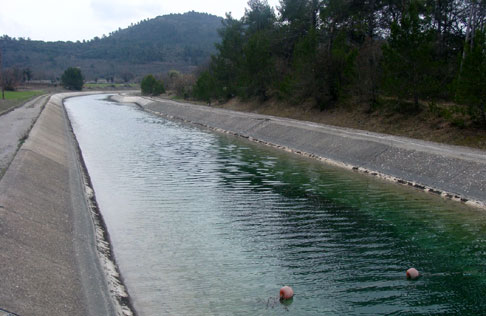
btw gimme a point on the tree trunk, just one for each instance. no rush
(371, 19)
(483, 112)
(473, 23)
(467, 41)
(468, 35)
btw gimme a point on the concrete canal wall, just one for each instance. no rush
(453, 172)
(50, 261)
(55, 257)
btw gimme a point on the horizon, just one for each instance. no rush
(102, 35)
(29, 19)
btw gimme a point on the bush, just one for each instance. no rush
(205, 87)
(152, 86)
(72, 79)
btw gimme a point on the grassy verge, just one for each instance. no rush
(16, 98)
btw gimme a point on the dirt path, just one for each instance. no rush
(15, 126)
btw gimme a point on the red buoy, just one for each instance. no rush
(412, 274)
(286, 293)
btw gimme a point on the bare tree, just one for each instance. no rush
(11, 77)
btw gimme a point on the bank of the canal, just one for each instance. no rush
(50, 264)
(204, 223)
(453, 172)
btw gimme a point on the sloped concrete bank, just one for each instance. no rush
(55, 256)
(456, 173)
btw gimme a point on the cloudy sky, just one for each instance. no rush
(52, 20)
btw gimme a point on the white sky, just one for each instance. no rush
(53, 20)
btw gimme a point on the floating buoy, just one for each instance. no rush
(286, 293)
(412, 274)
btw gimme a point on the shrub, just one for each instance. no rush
(72, 79)
(205, 87)
(152, 86)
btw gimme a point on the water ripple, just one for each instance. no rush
(204, 224)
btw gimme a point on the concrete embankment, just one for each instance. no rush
(453, 172)
(48, 252)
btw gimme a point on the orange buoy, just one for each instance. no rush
(286, 293)
(412, 274)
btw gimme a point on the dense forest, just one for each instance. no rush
(176, 41)
(329, 52)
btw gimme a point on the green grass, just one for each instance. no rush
(16, 98)
(22, 95)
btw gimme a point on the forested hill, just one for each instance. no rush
(175, 41)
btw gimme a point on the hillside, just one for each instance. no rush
(175, 41)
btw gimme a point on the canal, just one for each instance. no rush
(210, 224)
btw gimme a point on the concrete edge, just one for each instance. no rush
(114, 281)
(143, 102)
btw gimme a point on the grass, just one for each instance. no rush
(16, 98)
(22, 95)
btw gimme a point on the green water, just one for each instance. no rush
(207, 224)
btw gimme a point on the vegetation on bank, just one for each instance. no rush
(22, 95)
(152, 86)
(16, 98)
(72, 79)
(333, 53)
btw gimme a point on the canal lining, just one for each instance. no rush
(418, 186)
(144, 102)
(118, 291)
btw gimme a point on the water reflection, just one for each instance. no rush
(212, 225)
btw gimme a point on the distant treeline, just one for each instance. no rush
(176, 41)
(330, 51)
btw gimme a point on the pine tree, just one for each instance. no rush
(408, 57)
(471, 87)
(72, 79)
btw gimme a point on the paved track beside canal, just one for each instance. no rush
(15, 125)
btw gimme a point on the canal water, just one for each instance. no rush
(210, 224)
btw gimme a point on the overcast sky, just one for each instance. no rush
(53, 20)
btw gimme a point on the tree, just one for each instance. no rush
(11, 78)
(408, 57)
(205, 87)
(152, 86)
(1, 75)
(26, 74)
(297, 19)
(257, 63)
(72, 79)
(256, 76)
(300, 15)
(259, 16)
(226, 65)
(471, 88)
